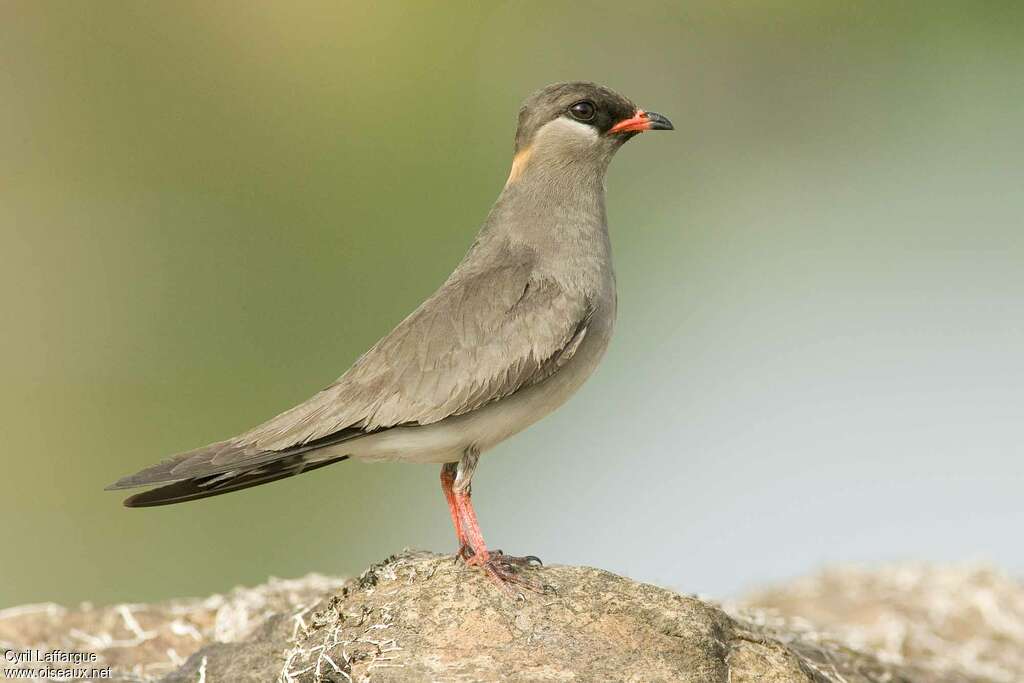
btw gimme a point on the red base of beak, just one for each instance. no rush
(637, 124)
(640, 122)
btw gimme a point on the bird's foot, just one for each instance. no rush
(466, 553)
(524, 561)
(507, 571)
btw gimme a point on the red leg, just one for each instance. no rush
(470, 527)
(447, 481)
(500, 568)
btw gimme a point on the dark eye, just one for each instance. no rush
(583, 110)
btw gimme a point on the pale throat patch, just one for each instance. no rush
(560, 131)
(565, 128)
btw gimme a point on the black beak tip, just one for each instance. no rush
(659, 122)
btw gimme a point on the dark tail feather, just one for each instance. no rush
(223, 457)
(216, 484)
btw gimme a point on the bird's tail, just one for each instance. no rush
(215, 484)
(223, 467)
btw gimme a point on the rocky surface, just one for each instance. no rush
(967, 619)
(422, 617)
(146, 642)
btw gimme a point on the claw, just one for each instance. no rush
(507, 571)
(464, 553)
(524, 561)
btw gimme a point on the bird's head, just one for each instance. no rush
(577, 126)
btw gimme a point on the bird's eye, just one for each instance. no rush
(583, 110)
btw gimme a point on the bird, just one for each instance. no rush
(515, 330)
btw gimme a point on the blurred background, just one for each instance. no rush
(208, 210)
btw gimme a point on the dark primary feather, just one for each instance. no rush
(199, 462)
(215, 485)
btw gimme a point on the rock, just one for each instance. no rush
(144, 642)
(422, 617)
(967, 619)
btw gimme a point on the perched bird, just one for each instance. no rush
(514, 331)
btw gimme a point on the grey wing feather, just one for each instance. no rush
(485, 334)
(481, 337)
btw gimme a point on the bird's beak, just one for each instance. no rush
(641, 121)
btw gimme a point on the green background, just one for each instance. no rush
(208, 210)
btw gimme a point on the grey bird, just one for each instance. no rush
(512, 333)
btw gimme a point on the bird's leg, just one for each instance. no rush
(448, 471)
(501, 568)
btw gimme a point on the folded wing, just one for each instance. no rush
(485, 334)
